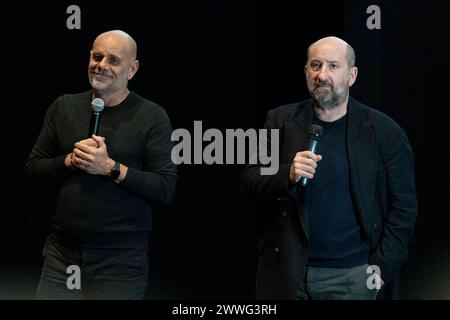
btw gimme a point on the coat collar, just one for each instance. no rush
(357, 117)
(358, 122)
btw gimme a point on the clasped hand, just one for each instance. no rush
(91, 156)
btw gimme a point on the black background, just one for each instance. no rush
(225, 63)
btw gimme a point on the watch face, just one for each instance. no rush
(115, 172)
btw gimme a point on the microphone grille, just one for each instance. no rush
(97, 105)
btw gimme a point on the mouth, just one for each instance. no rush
(323, 87)
(99, 75)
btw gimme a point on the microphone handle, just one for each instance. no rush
(95, 123)
(312, 147)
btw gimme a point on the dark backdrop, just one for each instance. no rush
(225, 63)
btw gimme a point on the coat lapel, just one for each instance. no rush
(362, 158)
(296, 132)
(295, 140)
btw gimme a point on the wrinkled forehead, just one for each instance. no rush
(328, 50)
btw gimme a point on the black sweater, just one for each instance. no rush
(92, 210)
(334, 232)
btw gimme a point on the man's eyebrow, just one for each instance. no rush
(327, 61)
(108, 55)
(114, 56)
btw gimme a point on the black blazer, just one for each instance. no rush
(382, 184)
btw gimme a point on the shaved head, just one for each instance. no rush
(338, 43)
(120, 35)
(112, 64)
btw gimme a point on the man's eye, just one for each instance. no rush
(315, 65)
(333, 66)
(113, 61)
(97, 57)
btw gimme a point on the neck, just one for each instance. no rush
(112, 99)
(332, 114)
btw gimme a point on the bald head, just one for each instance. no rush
(112, 64)
(338, 44)
(119, 36)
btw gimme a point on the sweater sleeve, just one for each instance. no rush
(44, 166)
(157, 181)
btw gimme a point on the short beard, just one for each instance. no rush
(331, 100)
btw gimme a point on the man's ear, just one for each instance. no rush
(353, 76)
(133, 69)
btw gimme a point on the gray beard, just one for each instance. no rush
(330, 100)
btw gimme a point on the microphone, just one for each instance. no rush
(97, 106)
(315, 134)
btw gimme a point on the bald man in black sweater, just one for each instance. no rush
(106, 184)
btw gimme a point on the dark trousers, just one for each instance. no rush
(104, 273)
(335, 284)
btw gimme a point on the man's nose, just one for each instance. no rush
(322, 73)
(103, 64)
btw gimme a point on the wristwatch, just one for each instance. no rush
(114, 173)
